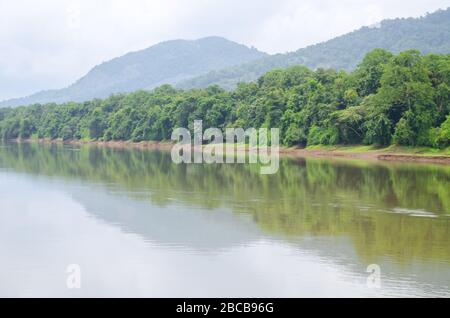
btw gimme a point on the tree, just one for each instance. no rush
(26, 128)
(443, 134)
(96, 125)
(403, 98)
(349, 124)
(369, 72)
(404, 134)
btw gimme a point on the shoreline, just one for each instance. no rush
(335, 152)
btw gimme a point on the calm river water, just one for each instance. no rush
(137, 225)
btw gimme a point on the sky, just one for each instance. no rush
(47, 44)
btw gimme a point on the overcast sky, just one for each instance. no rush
(50, 43)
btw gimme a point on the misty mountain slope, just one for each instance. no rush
(429, 34)
(214, 60)
(165, 63)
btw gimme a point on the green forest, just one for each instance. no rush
(388, 99)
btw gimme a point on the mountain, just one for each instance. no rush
(215, 60)
(165, 63)
(429, 34)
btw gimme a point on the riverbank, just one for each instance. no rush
(393, 153)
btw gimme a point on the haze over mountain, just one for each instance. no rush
(428, 34)
(215, 60)
(165, 63)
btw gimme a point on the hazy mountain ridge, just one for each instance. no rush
(217, 61)
(164, 63)
(429, 34)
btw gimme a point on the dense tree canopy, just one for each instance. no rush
(403, 99)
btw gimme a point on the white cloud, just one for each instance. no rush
(46, 44)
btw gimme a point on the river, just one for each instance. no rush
(136, 225)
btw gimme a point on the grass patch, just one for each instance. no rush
(424, 151)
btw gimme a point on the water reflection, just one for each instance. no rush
(310, 230)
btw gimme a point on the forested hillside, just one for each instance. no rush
(165, 63)
(403, 99)
(429, 34)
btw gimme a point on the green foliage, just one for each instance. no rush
(369, 72)
(442, 135)
(429, 34)
(322, 136)
(404, 134)
(402, 99)
(349, 125)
